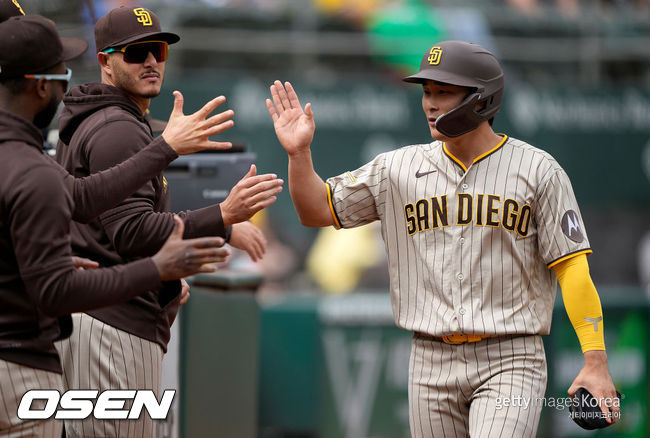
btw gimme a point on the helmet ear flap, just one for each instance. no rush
(461, 119)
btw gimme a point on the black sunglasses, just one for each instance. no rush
(136, 53)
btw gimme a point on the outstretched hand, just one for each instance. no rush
(191, 133)
(293, 126)
(251, 194)
(248, 237)
(180, 258)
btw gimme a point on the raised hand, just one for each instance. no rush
(293, 126)
(180, 258)
(189, 134)
(251, 194)
(249, 238)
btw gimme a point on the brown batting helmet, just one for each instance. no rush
(466, 65)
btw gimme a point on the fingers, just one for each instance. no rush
(602, 404)
(251, 172)
(308, 111)
(572, 389)
(259, 183)
(219, 118)
(218, 128)
(263, 199)
(261, 195)
(263, 204)
(263, 186)
(293, 97)
(179, 228)
(185, 297)
(206, 255)
(206, 242)
(217, 145)
(84, 263)
(284, 98)
(255, 244)
(275, 94)
(209, 107)
(259, 243)
(178, 103)
(206, 269)
(272, 112)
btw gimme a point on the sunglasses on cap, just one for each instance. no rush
(137, 53)
(64, 77)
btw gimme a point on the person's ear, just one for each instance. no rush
(104, 63)
(43, 88)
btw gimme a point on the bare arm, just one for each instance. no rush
(295, 130)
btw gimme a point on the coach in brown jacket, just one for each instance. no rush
(39, 286)
(103, 124)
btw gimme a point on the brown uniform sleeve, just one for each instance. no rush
(94, 194)
(134, 227)
(39, 223)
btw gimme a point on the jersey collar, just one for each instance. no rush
(477, 159)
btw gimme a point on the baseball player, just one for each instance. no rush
(478, 228)
(39, 286)
(182, 135)
(103, 124)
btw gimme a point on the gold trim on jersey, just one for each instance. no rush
(494, 149)
(337, 223)
(568, 256)
(453, 158)
(477, 159)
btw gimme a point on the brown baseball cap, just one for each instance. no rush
(31, 44)
(126, 25)
(10, 8)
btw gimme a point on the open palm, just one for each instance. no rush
(293, 126)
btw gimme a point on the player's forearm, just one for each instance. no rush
(103, 190)
(65, 290)
(581, 302)
(308, 192)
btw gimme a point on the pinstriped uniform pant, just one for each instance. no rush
(460, 390)
(99, 356)
(15, 381)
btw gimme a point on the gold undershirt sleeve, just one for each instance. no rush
(581, 302)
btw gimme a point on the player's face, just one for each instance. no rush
(57, 90)
(438, 99)
(143, 80)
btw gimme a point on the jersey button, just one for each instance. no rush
(465, 186)
(461, 310)
(460, 276)
(462, 240)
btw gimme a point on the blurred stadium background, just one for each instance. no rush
(313, 351)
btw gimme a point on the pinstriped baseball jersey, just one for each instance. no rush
(469, 250)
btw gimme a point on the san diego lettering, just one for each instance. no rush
(483, 210)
